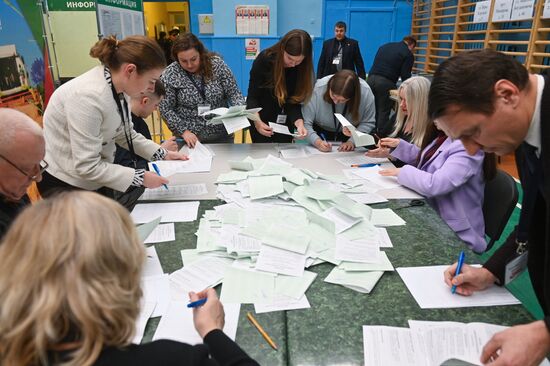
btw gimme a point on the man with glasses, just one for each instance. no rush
(22, 149)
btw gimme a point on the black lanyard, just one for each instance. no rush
(202, 89)
(336, 123)
(122, 106)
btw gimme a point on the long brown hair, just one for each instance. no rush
(188, 41)
(296, 43)
(345, 83)
(141, 51)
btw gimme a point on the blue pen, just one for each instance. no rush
(158, 172)
(458, 268)
(323, 137)
(197, 303)
(369, 165)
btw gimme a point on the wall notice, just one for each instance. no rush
(252, 19)
(251, 48)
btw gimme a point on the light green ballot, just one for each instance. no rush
(359, 281)
(247, 287)
(146, 229)
(383, 265)
(265, 186)
(359, 138)
(287, 237)
(294, 287)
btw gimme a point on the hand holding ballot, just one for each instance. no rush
(359, 138)
(233, 118)
(210, 315)
(470, 279)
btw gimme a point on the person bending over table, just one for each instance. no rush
(281, 79)
(452, 181)
(490, 102)
(81, 294)
(89, 114)
(197, 82)
(342, 93)
(413, 110)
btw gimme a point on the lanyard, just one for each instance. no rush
(122, 106)
(202, 88)
(336, 123)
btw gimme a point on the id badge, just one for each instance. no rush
(203, 108)
(515, 267)
(336, 61)
(281, 119)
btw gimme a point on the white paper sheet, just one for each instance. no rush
(141, 322)
(203, 273)
(282, 261)
(193, 165)
(385, 217)
(235, 124)
(371, 174)
(174, 192)
(170, 212)
(156, 289)
(430, 291)
(340, 219)
(280, 128)
(177, 323)
(364, 251)
(162, 233)
(282, 302)
(152, 265)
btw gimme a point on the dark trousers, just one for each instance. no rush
(381, 87)
(50, 186)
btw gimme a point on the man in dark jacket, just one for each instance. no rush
(489, 101)
(393, 60)
(340, 53)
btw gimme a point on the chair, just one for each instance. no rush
(501, 196)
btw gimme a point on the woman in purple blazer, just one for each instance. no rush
(449, 178)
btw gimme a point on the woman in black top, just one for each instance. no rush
(281, 79)
(70, 292)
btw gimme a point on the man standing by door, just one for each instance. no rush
(393, 60)
(340, 53)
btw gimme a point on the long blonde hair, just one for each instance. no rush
(416, 91)
(70, 271)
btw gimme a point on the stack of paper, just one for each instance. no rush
(234, 118)
(428, 343)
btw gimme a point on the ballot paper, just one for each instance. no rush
(152, 265)
(174, 192)
(156, 289)
(202, 273)
(282, 302)
(177, 324)
(247, 286)
(147, 228)
(145, 311)
(234, 118)
(168, 168)
(293, 152)
(362, 282)
(372, 175)
(364, 251)
(282, 261)
(428, 343)
(359, 138)
(170, 212)
(280, 128)
(431, 292)
(341, 220)
(162, 233)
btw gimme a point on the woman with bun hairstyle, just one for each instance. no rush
(86, 116)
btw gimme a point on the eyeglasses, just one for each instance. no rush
(43, 166)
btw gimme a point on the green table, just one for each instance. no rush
(330, 332)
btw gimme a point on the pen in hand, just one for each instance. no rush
(197, 303)
(458, 268)
(157, 170)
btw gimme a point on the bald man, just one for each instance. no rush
(22, 149)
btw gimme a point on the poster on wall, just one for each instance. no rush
(252, 19)
(481, 12)
(546, 10)
(251, 48)
(25, 80)
(502, 10)
(121, 18)
(522, 9)
(206, 23)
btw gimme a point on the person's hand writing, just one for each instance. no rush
(522, 345)
(174, 155)
(323, 146)
(209, 316)
(190, 138)
(346, 131)
(153, 180)
(470, 279)
(263, 129)
(300, 129)
(346, 146)
(170, 144)
(391, 172)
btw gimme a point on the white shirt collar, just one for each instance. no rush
(533, 137)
